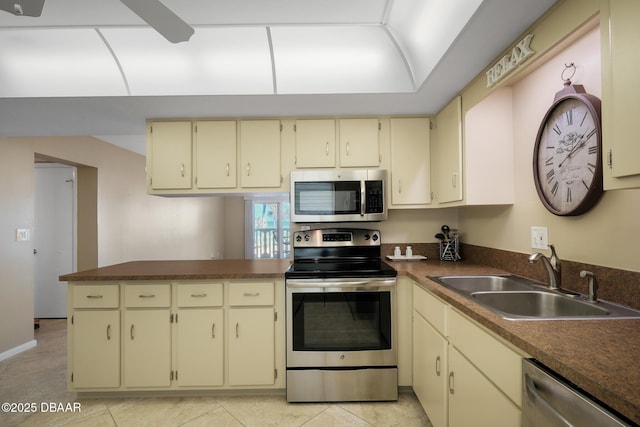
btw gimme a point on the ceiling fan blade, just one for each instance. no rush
(162, 19)
(22, 7)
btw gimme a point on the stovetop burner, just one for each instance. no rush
(336, 253)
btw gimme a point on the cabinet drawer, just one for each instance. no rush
(251, 294)
(431, 308)
(147, 295)
(96, 296)
(200, 295)
(495, 360)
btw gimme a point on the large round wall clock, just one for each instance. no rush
(567, 157)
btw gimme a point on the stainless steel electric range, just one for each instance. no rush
(341, 311)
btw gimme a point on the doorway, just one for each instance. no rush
(54, 238)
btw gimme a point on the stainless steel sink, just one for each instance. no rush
(492, 283)
(516, 298)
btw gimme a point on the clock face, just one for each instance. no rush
(567, 158)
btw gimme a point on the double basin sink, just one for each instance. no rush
(517, 298)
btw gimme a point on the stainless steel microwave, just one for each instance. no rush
(343, 195)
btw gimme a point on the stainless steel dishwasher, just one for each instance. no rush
(550, 401)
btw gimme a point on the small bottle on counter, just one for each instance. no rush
(396, 252)
(409, 251)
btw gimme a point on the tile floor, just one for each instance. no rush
(38, 376)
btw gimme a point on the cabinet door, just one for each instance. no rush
(215, 150)
(251, 346)
(359, 142)
(96, 349)
(474, 400)
(620, 36)
(200, 347)
(315, 143)
(430, 370)
(147, 348)
(410, 161)
(170, 155)
(447, 153)
(260, 153)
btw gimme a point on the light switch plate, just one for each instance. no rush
(539, 237)
(23, 234)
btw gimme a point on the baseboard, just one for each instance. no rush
(17, 350)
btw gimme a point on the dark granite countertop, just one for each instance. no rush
(600, 356)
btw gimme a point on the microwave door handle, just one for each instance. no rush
(362, 198)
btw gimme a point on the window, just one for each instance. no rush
(267, 227)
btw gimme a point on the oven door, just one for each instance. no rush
(341, 323)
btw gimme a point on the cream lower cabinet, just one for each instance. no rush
(163, 336)
(251, 331)
(94, 323)
(462, 374)
(96, 353)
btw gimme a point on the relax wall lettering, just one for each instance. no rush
(509, 62)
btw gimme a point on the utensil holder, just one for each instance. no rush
(450, 248)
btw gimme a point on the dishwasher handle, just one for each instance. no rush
(542, 403)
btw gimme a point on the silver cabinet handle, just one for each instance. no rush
(451, 382)
(146, 296)
(108, 332)
(228, 168)
(94, 296)
(131, 332)
(438, 367)
(213, 330)
(399, 186)
(326, 148)
(251, 294)
(202, 295)
(348, 149)
(248, 169)
(237, 335)
(182, 170)
(541, 402)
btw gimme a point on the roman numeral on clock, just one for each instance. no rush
(556, 129)
(568, 194)
(550, 175)
(593, 150)
(549, 162)
(569, 116)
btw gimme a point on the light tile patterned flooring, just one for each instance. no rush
(38, 376)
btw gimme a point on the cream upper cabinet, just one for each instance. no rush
(169, 152)
(359, 142)
(488, 150)
(447, 153)
(410, 162)
(620, 38)
(260, 154)
(315, 143)
(215, 150)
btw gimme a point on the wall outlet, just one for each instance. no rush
(539, 237)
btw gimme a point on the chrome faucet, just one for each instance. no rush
(551, 265)
(593, 285)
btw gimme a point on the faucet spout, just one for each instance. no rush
(551, 265)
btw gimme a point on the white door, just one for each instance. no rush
(53, 237)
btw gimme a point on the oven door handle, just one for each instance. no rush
(305, 283)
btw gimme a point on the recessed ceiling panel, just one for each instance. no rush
(425, 29)
(338, 59)
(216, 61)
(57, 62)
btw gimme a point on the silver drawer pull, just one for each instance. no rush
(94, 296)
(237, 333)
(213, 330)
(108, 332)
(202, 295)
(131, 332)
(146, 296)
(438, 367)
(251, 294)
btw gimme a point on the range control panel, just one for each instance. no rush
(336, 237)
